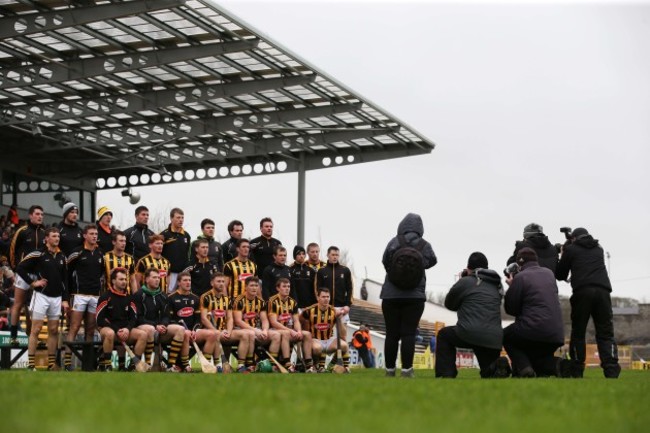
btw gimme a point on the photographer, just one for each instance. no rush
(534, 237)
(584, 258)
(538, 330)
(477, 298)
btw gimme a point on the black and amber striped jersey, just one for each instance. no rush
(148, 261)
(183, 308)
(237, 272)
(316, 266)
(250, 310)
(320, 322)
(217, 308)
(112, 261)
(283, 308)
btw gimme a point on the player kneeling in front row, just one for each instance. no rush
(116, 317)
(249, 313)
(183, 309)
(216, 314)
(151, 305)
(283, 317)
(321, 319)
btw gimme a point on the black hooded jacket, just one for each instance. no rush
(412, 229)
(546, 252)
(585, 259)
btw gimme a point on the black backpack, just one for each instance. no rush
(407, 265)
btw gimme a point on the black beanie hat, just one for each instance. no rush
(526, 255)
(477, 260)
(297, 250)
(579, 233)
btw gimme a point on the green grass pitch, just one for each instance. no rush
(361, 401)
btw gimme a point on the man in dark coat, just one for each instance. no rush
(534, 237)
(584, 258)
(477, 299)
(538, 329)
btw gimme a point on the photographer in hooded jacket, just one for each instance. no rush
(584, 258)
(534, 237)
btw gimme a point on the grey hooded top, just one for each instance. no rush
(412, 229)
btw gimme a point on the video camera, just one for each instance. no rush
(511, 270)
(568, 234)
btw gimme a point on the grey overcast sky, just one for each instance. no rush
(540, 113)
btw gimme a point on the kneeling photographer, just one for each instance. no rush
(477, 298)
(538, 331)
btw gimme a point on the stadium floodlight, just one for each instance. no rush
(134, 196)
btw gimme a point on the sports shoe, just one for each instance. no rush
(311, 370)
(54, 367)
(409, 372)
(390, 372)
(31, 369)
(502, 369)
(612, 371)
(527, 373)
(187, 369)
(175, 369)
(68, 368)
(563, 368)
(242, 369)
(105, 368)
(322, 370)
(291, 368)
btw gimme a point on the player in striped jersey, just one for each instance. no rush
(249, 312)
(216, 313)
(283, 317)
(154, 260)
(315, 263)
(117, 258)
(239, 269)
(321, 319)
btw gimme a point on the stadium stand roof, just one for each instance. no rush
(107, 94)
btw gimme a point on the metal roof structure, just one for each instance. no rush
(108, 93)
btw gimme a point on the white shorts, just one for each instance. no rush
(171, 282)
(325, 344)
(21, 284)
(85, 303)
(43, 306)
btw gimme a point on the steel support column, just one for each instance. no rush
(300, 236)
